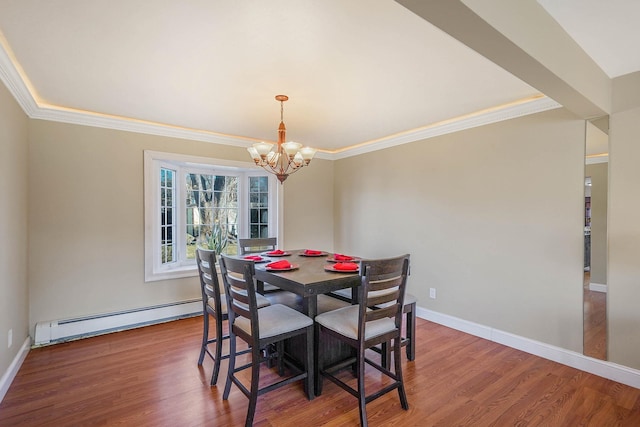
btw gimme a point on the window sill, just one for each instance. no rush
(175, 273)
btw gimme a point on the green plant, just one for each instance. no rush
(216, 240)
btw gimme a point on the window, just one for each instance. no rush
(192, 201)
(167, 218)
(211, 212)
(259, 206)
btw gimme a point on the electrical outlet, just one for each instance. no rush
(10, 338)
(432, 293)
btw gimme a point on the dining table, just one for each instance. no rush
(311, 276)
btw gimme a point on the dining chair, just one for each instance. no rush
(214, 304)
(409, 332)
(260, 328)
(407, 339)
(376, 319)
(257, 245)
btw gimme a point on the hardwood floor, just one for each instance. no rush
(595, 321)
(150, 377)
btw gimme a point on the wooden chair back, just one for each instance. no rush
(255, 245)
(240, 289)
(382, 291)
(209, 284)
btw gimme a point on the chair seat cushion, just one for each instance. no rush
(275, 320)
(343, 292)
(328, 303)
(409, 298)
(223, 303)
(345, 322)
(285, 298)
(270, 288)
(260, 300)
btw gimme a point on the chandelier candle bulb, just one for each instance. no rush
(284, 158)
(291, 148)
(254, 154)
(298, 160)
(262, 148)
(307, 153)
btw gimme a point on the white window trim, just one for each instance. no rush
(153, 161)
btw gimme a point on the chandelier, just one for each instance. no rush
(284, 158)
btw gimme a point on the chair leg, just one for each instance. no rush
(218, 356)
(255, 381)
(385, 355)
(269, 351)
(308, 383)
(411, 332)
(232, 366)
(362, 397)
(280, 357)
(205, 336)
(317, 360)
(398, 372)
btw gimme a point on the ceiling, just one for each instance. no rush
(356, 72)
(607, 31)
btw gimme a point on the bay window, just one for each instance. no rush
(192, 201)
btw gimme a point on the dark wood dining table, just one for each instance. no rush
(309, 280)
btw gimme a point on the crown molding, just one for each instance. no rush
(535, 105)
(597, 158)
(14, 81)
(86, 118)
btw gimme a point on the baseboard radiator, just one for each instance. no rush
(55, 331)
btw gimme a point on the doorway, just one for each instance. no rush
(595, 242)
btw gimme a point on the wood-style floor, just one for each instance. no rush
(149, 377)
(595, 321)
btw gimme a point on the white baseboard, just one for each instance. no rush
(54, 331)
(612, 371)
(12, 371)
(598, 287)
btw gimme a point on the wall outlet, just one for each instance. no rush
(432, 293)
(10, 338)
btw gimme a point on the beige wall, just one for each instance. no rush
(86, 219)
(599, 188)
(623, 296)
(495, 232)
(308, 207)
(492, 217)
(13, 227)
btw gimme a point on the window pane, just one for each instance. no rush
(206, 182)
(263, 183)
(259, 206)
(211, 221)
(167, 215)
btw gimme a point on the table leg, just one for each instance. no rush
(310, 306)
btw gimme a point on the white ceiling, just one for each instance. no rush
(608, 31)
(356, 71)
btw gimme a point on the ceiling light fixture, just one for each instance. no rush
(286, 157)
